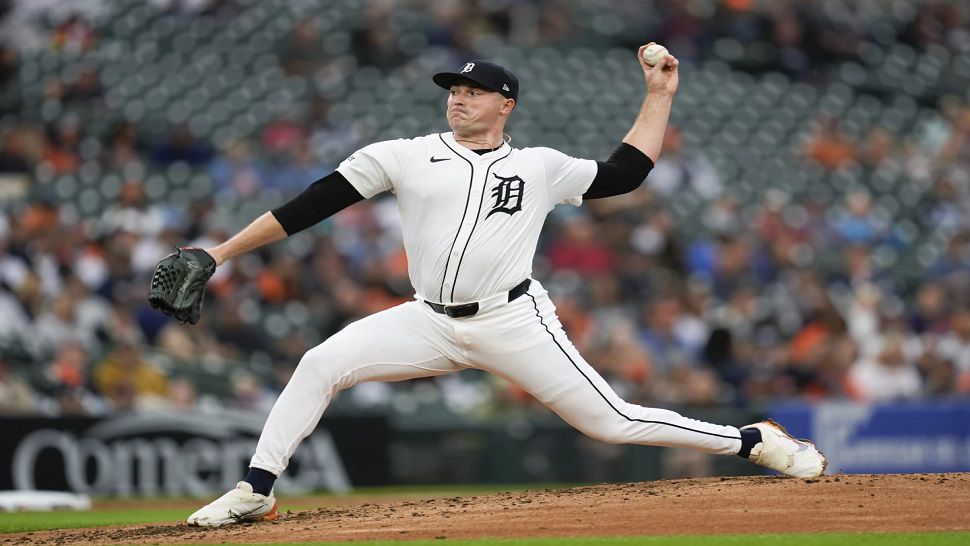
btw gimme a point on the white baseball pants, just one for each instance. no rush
(521, 341)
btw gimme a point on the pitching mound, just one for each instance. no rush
(927, 502)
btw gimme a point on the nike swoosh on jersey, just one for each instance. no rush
(437, 159)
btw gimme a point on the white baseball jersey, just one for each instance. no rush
(470, 222)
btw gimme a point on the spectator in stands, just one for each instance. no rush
(15, 321)
(70, 366)
(673, 336)
(930, 314)
(249, 394)
(657, 237)
(70, 385)
(624, 360)
(236, 173)
(132, 213)
(878, 146)
(859, 224)
(16, 396)
(76, 34)
(576, 318)
(298, 164)
(578, 249)
(13, 154)
(828, 145)
(85, 89)
(952, 269)
(822, 331)
(181, 394)
(124, 149)
(375, 41)
(947, 205)
(239, 338)
(719, 354)
(680, 168)
(57, 325)
(302, 53)
(128, 378)
(181, 145)
(954, 347)
(61, 152)
(9, 65)
(690, 386)
(890, 374)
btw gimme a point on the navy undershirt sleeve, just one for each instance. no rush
(322, 199)
(623, 172)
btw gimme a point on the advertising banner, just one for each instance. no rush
(180, 453)
(879, 439)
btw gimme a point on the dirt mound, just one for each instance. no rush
(913, 502)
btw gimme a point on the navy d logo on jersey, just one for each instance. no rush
(507, 195)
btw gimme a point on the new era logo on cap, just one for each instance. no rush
(488, 75)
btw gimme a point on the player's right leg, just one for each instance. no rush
(393, 345)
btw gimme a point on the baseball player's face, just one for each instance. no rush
(473, 109)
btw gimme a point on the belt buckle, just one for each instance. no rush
(458, 311)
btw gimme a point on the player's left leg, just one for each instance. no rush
(524, 343)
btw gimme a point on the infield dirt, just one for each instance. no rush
(737, 505)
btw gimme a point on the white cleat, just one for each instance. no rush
(780, 451)
(237, 506)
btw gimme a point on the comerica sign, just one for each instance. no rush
(149, 454)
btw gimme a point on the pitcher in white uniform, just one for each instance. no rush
(471, 210)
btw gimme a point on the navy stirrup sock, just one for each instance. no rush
(750, 437)
(261, 480)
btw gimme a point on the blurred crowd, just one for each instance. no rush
(753, 302)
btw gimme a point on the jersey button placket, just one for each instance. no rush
(464, 233)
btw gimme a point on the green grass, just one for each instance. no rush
(19, 522)
(833, 539)
(150, 511)
(829, 539)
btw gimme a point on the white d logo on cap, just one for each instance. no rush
(468, 68)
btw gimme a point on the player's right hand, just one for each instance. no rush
(663, 77)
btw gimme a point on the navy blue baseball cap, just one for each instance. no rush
(489, 75)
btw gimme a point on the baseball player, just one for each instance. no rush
(471, 209)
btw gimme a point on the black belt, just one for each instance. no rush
(469, 309)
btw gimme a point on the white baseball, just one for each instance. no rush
(654, 53)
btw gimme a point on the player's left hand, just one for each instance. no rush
(663, 77)
(178, 285)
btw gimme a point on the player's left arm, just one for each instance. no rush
(629, 165)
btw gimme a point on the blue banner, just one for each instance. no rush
(881, 439)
